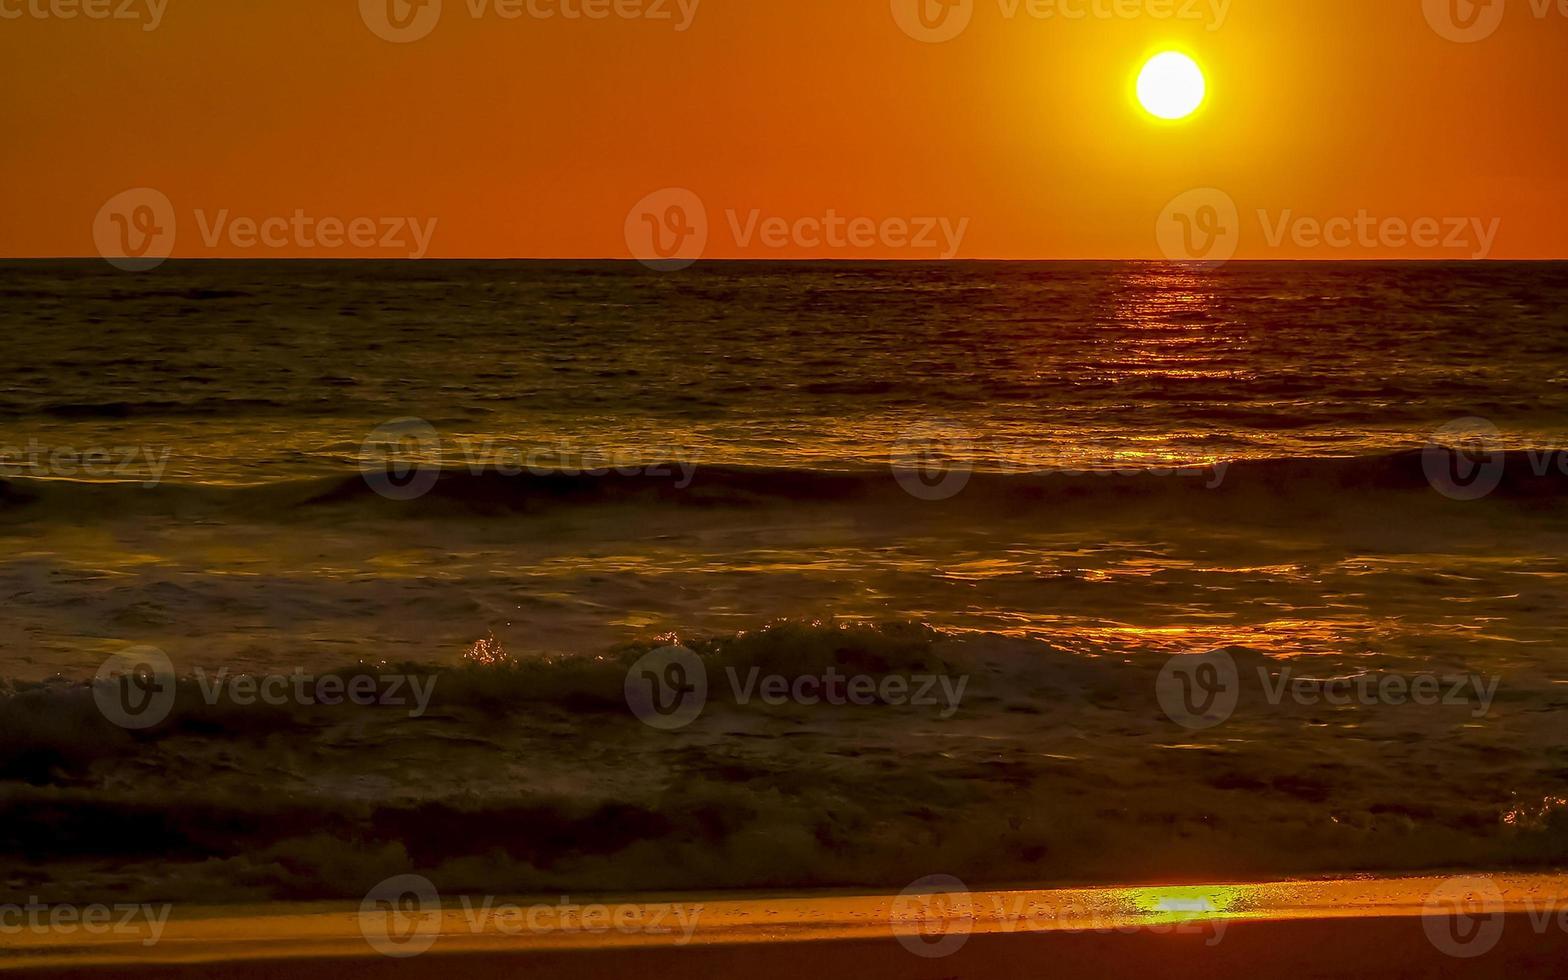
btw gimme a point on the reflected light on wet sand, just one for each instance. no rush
(262, 933)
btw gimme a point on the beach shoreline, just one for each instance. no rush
(1356, 927)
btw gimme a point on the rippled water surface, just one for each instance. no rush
(185, 467)
(249, 371)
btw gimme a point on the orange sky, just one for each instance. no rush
(536, 137)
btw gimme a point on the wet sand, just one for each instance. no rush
(1362, 928)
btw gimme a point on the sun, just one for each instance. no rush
(1171, 86)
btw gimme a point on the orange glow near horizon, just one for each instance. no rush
(534, 136)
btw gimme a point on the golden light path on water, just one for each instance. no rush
(518, 925)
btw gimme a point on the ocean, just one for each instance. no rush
(512, 481)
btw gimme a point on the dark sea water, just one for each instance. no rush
(1050, 478)
(260, 371)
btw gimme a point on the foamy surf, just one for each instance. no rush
(504, 776)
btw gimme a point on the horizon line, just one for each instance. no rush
(652, 264)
